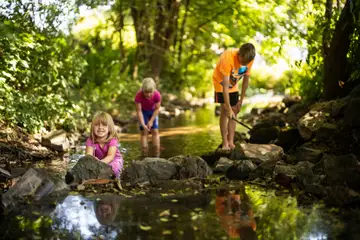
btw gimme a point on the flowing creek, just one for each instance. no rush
(277, 216)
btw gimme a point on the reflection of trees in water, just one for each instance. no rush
(276, 218)
(279, 217)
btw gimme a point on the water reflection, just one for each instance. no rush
(231, 211)
(233, 207)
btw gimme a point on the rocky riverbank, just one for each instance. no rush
(311, 150)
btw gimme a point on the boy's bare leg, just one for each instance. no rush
(144, 142)
(224, 127)
(156, 141)
(231, 130)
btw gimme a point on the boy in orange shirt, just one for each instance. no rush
(233, 65)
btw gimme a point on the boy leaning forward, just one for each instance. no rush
(233, 65)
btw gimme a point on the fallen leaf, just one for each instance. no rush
(164, 213)
(145, 228)
(164, 219)
(80, 187)
(166, 232)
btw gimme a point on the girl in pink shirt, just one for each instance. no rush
(103, 143)
(147, 102)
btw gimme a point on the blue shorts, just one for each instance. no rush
(147, 115)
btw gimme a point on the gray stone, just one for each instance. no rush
(223, 165)
(240, 170)
(31, 185)
(352, 113)
(262, 152)
(264, 169)
(264, 135)
(88, 167)
(326, 131)
(338, 108)
(291, 100)
(5, 173)
(149, 170)
(306, 154)
(310, 123)
(287, 138)
(56, 140)
(237, 153)
(191, 167)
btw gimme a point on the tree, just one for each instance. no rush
(336, 67)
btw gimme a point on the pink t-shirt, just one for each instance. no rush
(148, 103)
(101, 152)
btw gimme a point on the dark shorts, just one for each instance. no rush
(234, 98)
(147, 115)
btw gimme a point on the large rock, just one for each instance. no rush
(88, 167)
(262, 152)
(34, 184)
(240, 170)
(149, 170)
(306, 154)
(288, 138)
(291, 100)
(191, 167)
(263, 170)
(310, 123)
(294, 170)
(326, 131)
(342, 170)
(56, 140)
(223, 165)
(352, 113)
(264, 135)
(338, 108)
(237, 153)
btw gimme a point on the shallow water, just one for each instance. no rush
(79, 217)
(178, 217)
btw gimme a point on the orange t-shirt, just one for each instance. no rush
(229, 65)
(231, 222)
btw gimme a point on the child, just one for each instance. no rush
(103, 143)
(106, 209)
(231, 67)
(147, 102)
(235, 213)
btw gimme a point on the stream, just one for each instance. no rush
(277, 216)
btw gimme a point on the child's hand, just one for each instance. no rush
(145, 127)
(238, 106)
(150, 124)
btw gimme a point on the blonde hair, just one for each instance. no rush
(247, 52)
(106, 119)
(148, 85)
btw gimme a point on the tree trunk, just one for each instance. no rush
(139, 13)
(335, 62)
(326, 33)
(182, 30)
(165, 26)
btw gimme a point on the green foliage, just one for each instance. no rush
(49, 78)
(36, 74)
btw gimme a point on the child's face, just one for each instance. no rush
(241, 61)
(148, 94)
(101, 130)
